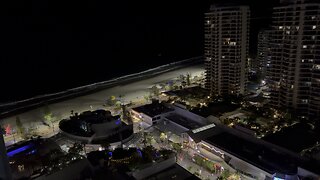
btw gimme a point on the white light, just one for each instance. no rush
(208, 22)
(314, 27)
(304, 46)
(280, 27)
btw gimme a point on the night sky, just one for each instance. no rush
(48, 46)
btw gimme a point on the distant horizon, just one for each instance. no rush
(47, 47)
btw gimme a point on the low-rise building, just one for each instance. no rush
(252, 157)
(151, 113)
(92, 127)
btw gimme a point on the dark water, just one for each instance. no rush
(49, 46)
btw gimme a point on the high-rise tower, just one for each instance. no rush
(263, 55)
(226, 49)
(294, 70)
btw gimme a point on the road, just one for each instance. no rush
(130, 92)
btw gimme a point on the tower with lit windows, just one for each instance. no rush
(294, 70)
(226, 49)
(263, 55)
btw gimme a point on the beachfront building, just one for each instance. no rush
(263, 56)
(226, 49)
(294, 70)
(251, 157)
(152, 113)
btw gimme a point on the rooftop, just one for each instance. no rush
(94, 117)
(270, 160)
(153, 109)
(173, 172)
(183, 121)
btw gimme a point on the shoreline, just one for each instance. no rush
(8, 109)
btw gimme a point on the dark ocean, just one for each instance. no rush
(49, 46)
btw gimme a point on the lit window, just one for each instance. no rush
(314, 27)
(304, 101)
(208, 22)
(313, 17)
(313, 37)
(302, 60)
(288, 32)
(292, 86)
(223, 57)
(304, 46)
(310, 60)
(297, 27)
(280, 27)
(233, 43)
(288, 27)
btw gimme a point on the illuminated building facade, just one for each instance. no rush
(294, 71)
(226, 49)
(263, 51)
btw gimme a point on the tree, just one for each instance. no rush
(3, 130)
(47, 114)
(121, 98)
(76, 148)
(188, 79)
(21, 129)
(105, 145)
(155, 90)
(182, 77)
(111, 100)
(126, 114)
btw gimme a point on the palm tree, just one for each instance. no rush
(21, 129)
(188, 79)
(47, 114)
